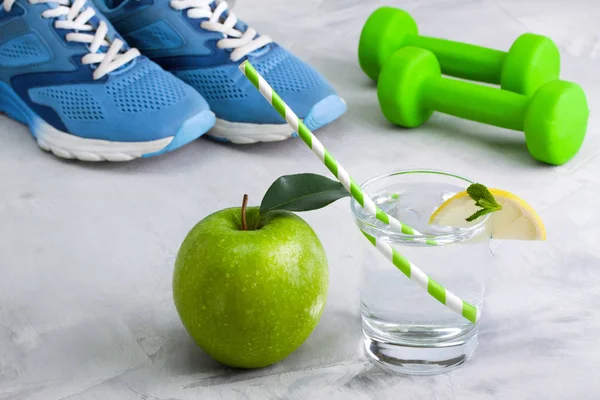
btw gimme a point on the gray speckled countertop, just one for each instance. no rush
(87, 251)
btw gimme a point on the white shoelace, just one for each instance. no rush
(77, 20)
(243, 42)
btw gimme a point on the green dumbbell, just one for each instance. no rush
(554, 119)
(531, 61)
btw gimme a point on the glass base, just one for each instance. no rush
(420, 359)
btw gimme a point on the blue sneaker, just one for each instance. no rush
(83, 92)
(202, 43)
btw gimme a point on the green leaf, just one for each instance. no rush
(484, 199)
(478, 213)
(302, 192)
(479, 192)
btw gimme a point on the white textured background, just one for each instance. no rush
(87, 251)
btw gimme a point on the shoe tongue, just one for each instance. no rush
(94, 21)
(56, 5)
(240, 25)
(260, 51)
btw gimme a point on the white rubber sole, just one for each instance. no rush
(322, 113)
(68, 146)
(242, 133)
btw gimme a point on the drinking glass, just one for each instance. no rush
(405, 329)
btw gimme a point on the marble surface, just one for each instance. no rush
(87, 251)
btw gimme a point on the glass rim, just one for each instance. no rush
(392, 233)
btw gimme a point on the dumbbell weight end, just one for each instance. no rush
(386, 30)
(556, 122)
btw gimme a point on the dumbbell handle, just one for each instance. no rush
(464, 60)
(475, 102)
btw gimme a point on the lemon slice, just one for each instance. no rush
(516, 221)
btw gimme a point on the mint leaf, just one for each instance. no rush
(301, 192)
(483, 199)
(478, 213)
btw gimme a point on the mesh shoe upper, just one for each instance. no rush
(179, 44)
(23, 50)
(136, 102)
(233, 98)
(142, 103)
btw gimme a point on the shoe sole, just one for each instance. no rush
(65, 145)
(324, 112)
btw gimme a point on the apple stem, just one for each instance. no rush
(244, 204)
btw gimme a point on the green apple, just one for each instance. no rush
(249, 298)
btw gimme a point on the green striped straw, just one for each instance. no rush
(413, 272)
